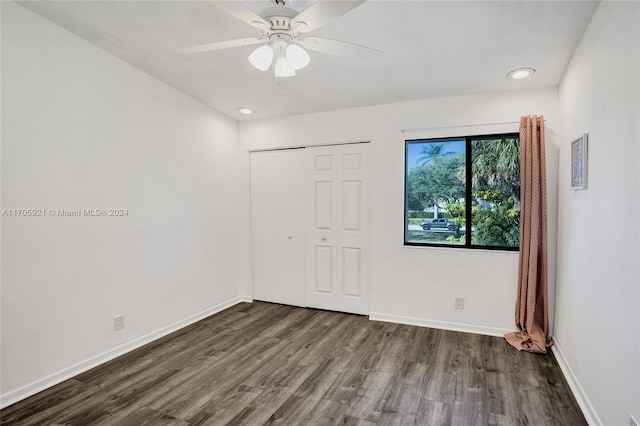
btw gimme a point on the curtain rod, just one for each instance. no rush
(460, 125)
(284, 148)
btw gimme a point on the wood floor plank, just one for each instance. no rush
(148, 417)
(261, 363)
(409, 387)
(470, 400)
(44, 404)
(301, 403)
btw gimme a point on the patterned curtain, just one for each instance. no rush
(532, 319)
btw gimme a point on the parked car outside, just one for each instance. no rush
(439, 223)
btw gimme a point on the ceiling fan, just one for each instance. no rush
(282, 34)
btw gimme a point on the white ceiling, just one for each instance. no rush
(431, 49)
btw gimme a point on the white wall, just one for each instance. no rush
(418, 285)
(598, 283)
(82, 129)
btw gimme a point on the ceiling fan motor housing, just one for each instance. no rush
(279, 23)
(282, 25)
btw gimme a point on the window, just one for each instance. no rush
(453, 182)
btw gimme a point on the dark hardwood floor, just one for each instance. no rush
(266, 363)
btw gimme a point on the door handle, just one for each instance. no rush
(323, 238)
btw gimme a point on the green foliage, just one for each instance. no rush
(433, 238)
(419, 215)
(457, 212)
(431, 152)
(458, 240)
(497, 224)
(496, 165)
(417, 220)
(435, 181)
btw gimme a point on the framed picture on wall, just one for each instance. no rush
(579, 163)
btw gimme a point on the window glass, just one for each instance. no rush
(495, 191)
(434, 185)
(450, 182)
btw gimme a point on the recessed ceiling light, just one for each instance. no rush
(521, 73)
(244, 110)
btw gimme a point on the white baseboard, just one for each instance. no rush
(588, 411)
(46, 382)
(444, 325)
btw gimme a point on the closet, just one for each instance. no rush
(310, 226)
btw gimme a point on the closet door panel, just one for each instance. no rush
(279, 226)
(338, 242)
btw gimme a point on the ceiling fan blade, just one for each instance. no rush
(237, 10)
(221, 45)
(321, 12)
(337, 47)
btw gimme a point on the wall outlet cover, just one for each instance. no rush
(118, 322)
(459, 303)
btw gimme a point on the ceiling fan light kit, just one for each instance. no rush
(282, 67)
(297, 56)
(289, 57)
(282, 30)
(261, 58)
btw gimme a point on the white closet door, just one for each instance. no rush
(338, 248)
(278, 226)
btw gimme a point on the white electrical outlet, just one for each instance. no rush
(459, 303)
(633, 421)
(118, 322)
